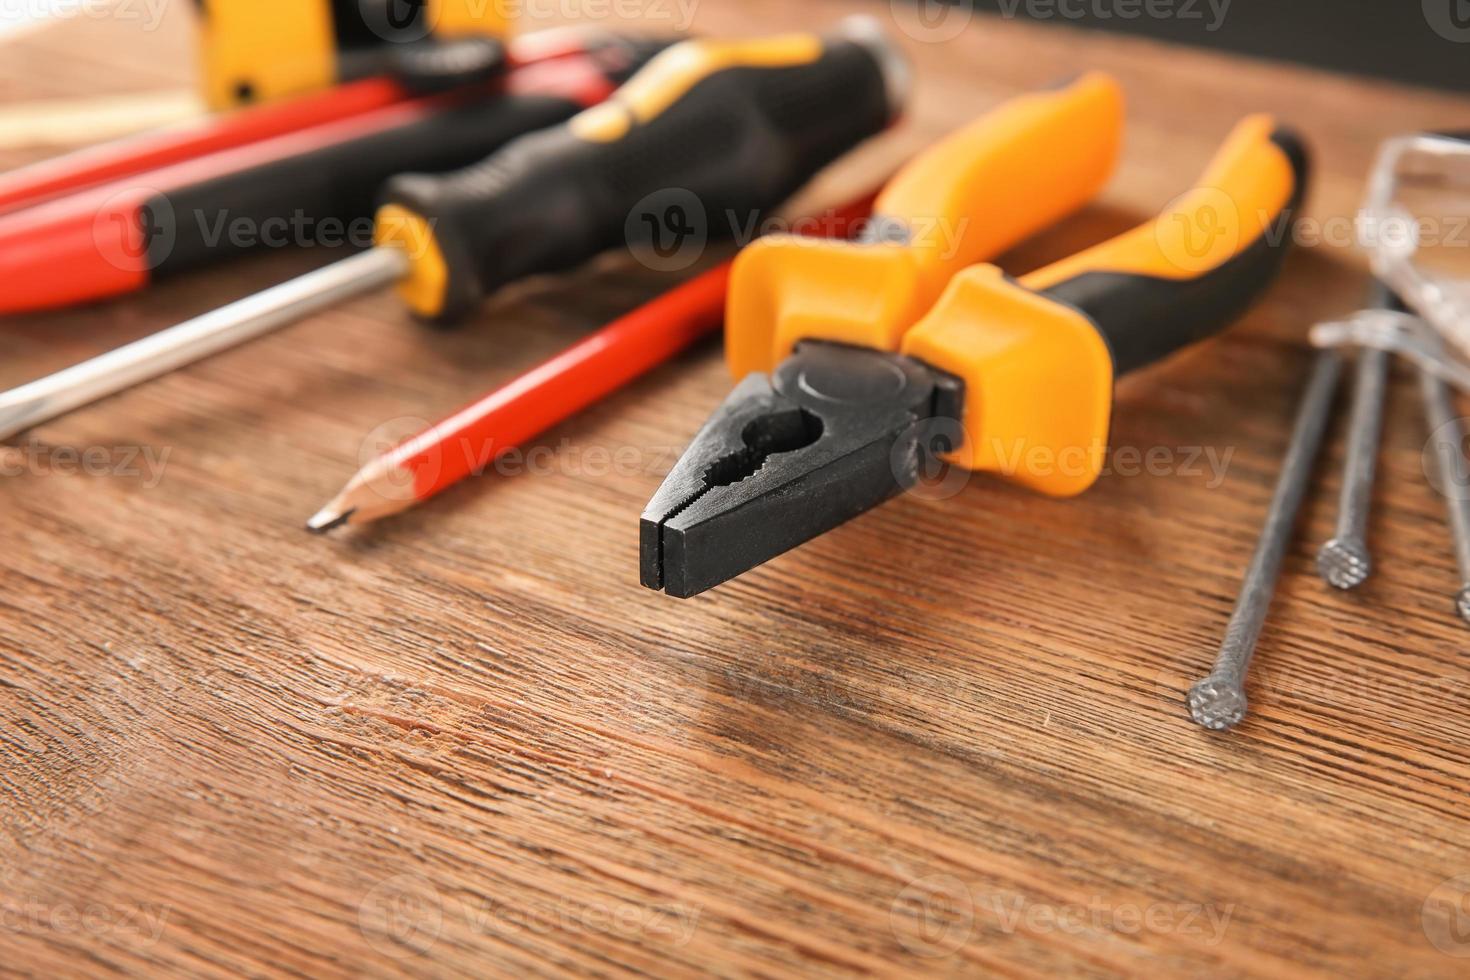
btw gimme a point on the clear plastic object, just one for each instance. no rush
(1415, 224)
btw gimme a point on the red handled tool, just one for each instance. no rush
(120, 236)
(111, 161)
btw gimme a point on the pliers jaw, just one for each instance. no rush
(834, 432)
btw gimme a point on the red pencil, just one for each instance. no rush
(470, 439)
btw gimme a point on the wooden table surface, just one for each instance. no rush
(949, 737)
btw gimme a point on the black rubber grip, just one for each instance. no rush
(308, 196)
(1146, 318)
(304, 196)
(737, 142)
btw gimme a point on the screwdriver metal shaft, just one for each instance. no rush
(1218, 701)
(192, 340)
(1451, 474)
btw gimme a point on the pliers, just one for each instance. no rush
(869, 363)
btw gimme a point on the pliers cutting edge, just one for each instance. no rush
(867, 362)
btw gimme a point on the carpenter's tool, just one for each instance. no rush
(296, 188)
(872, 377)
(111, 161)
(733, 127)
(470, 439)
(1218, 700)
(257, 52)
(1344, 562)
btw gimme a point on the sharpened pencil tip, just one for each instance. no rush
(329, 518)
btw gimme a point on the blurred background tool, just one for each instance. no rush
(294, 189)
(251, 51)
(189, 141)
(728, 128)
(73, 122)
(872, 381)
(472, 438)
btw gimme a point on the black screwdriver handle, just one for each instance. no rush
(698, 144)
(332, 176)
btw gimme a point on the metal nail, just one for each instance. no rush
(1218, 701)
(1447, 439)
(1343, 562)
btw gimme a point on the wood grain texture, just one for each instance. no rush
(947, 738)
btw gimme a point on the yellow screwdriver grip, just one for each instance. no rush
(987, 187)
(671, 75)
(1038, 356)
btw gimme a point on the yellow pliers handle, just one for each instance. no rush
(1015, 171)
(1038, 356)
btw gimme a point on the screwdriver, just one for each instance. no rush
(126, 234)
(738, 126)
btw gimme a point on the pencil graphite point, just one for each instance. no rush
(329, 518)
